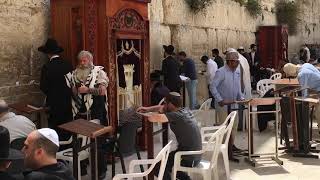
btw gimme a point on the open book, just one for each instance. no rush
(184, 78)
(35, 106)
(147, 114)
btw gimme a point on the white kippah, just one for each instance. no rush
(50, 134)
(175, 94)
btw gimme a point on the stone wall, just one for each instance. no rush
(24, 26)
(224, 24)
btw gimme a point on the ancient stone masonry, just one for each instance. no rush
(223, 24)
(24, 26)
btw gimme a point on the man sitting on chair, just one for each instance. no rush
(18, 126)
(183, 125)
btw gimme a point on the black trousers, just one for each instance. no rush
(211, 96)
(180, 175)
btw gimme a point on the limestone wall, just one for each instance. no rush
(24, 26)
(224, 24)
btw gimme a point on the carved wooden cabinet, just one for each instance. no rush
(273, 45)
(109, 29)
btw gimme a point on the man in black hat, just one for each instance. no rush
(7, 154)
(171, 70)
(53, 85)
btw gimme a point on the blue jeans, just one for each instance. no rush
(192, 93)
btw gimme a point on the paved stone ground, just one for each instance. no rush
(293, 168)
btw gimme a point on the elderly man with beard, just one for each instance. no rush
(226, 89)
(89, 86)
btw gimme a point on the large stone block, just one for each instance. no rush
(159, 35)
(200, 42)
(156, 11)
(176, 12)
(24, 27)
(182, 38)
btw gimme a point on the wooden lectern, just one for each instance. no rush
(105, 28)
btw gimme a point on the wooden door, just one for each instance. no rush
(273, 45)
(67, 27)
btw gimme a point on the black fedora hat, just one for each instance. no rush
(51, 47)
(6, 153)
(168, 49)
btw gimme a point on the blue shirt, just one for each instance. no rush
(226, 85)
(309, 77)
(189, 69)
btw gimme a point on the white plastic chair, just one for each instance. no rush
(224, 145)
(206, 104)
(264, 86)
(161, 157)
(276, 76)
(205, 168)
(67, 154)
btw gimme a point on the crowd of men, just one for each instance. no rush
(69, 94)
(82, 92)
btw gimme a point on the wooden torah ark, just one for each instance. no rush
(96, 26)
(273, 46)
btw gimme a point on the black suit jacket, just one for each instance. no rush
(53, 85)
(6, 176)
(171, 72)
(256, 59)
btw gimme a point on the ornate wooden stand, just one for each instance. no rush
(96, 26)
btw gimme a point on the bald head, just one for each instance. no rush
(3, 107)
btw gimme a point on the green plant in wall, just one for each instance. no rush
(254, 8)
(198, 5)
(287, 13)
(241, 2)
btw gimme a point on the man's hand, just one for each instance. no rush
(143, 109)
(225, 102)
(74, 90)
(83, 89)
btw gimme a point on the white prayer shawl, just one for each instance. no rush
(246, 74)
(96, 76)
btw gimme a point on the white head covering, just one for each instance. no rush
(232, 55)
(290, 69)
(246, 73)
(50, 134)
(175, 94)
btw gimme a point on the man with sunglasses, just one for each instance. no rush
(183, 125)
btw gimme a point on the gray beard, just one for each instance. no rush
(83, 73)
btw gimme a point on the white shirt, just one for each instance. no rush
(252, 57)
(212, 68)
(54, 56)
(18, 126)
(307, 53)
